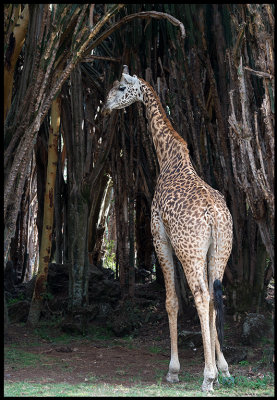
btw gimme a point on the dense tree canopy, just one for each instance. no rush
(217, 87)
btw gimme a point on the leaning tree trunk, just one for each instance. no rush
(16, 37)
(47, 52)
(48, 216)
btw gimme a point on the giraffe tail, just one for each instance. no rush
(218, 305)
(214, 226)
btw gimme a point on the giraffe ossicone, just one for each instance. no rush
(189, 216)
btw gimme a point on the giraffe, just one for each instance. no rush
(189, 216)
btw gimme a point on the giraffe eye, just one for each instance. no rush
(122, 88)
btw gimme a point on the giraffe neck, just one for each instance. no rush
(168, 143)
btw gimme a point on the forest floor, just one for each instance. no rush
(47, 362)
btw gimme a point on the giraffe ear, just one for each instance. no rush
(125, 69)
(128, 79)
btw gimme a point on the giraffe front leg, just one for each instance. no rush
(172, 311)
(164, 252)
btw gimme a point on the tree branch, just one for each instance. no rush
(143, 15)
(93, 57)
(261, 74)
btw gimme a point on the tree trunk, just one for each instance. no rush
(123, 253)
(16, 40)
(48, 216)
(121, 213)
(144, 243)
(59, 212)
(6, 316)
(131, 272)
(78, 254)
(77, 208)
(93, 228)
(104, 211)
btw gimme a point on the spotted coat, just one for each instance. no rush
(188, 215)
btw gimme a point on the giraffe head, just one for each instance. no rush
(123, 93)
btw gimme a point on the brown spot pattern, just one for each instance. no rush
(188, 215)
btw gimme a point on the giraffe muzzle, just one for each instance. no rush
(106, 110)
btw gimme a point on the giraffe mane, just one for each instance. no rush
(165, 119)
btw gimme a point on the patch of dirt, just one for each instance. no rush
(143, 359)
(111, 361)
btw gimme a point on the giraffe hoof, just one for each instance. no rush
(225, 374)
(207, 385)
(207, 388)
(172, 378)
(216, 384)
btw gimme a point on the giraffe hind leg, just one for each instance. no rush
(221, 362)
(212, 317)
(216, 266)
(200, 291)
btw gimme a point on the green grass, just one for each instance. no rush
(46, 335)
(20, 359)
(244, 362)
(130, 343)
(244, 382)
(92, 389)
(155, 349)
(189, 386)
(45, 331)
(98, 333)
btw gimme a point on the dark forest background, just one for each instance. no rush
(78, 186)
